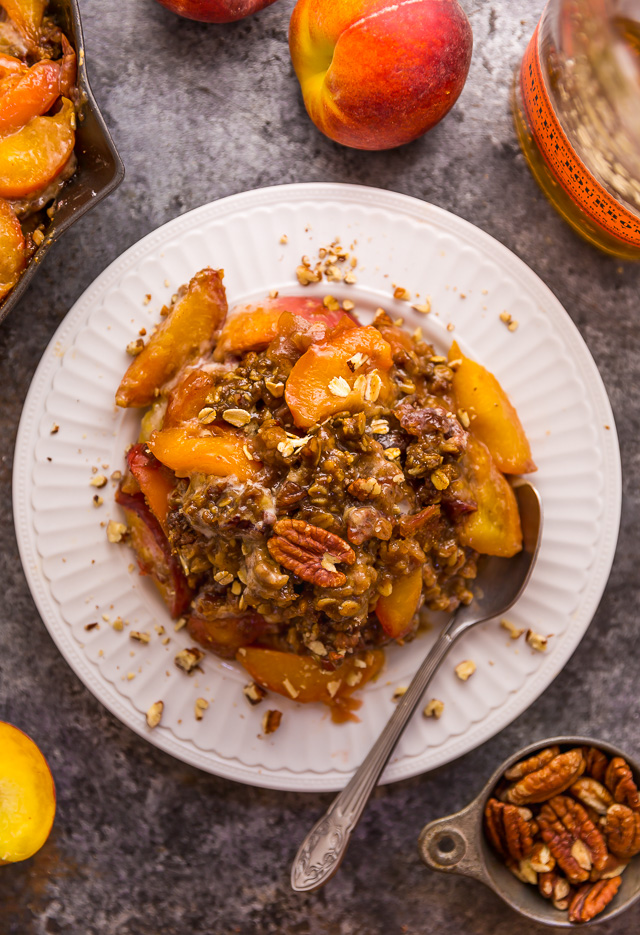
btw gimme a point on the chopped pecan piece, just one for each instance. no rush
(366, 522)
(532, 763)
(271, 721)
(622, 831)
(554, 777)
(189, 659)
(596, 762)
(254, 693)
(510, 833)
(310, 552)
(431, 421)
(154, 714)
(592, 794)
(591, 899)
(365, 488)
(564, 823)
(619, 780)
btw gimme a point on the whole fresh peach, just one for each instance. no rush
(375, 73)
(215, 11)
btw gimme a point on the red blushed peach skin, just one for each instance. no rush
(396, 612)
(12, 249)
(494, 527)
(188, 332)
(33, 156)
(215, 11)
(186, 452)
(253, 327)
(308, 394)
(494, 420)
(27, 796)
(375, 73)
(302, 679)
(153, 552)
(156, 481)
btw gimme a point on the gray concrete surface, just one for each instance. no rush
(143, 845)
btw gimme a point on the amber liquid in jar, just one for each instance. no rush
(553, 176)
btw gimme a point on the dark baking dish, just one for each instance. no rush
(100, 169)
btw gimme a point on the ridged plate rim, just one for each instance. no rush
(466, 234)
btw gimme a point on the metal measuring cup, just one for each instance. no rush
(457, 844)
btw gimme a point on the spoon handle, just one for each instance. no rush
(324, 847)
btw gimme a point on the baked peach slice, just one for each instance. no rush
(344, 372)
(27, 796)
(187, 451)
(153, 552)
(397, 610)
(13, 257)
(187, 333)
(253, 327)
(32, 157)
(188, 397)
(28, 95)
(302, 679)
(493, 419)
(224, 636)
(27, 15)
(399, 341)
(494, 527)
(156, 481)
(9, 65)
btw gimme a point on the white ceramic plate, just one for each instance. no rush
(76, 577)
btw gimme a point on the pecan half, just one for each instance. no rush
(619, 780)
(622, 831)
(523, 870)
(591, 899)
(553, 886)
(572, 837)
(614, 867)
(310, 552)
(533, 763)
(508, 830)
(556, 776)
(596, 762)
(541, 858)
(592, 794)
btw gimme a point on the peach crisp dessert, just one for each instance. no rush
(304, 483)
(38, 98)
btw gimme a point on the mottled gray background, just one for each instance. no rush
(143, 845)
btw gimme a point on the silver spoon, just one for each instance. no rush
(500, 583)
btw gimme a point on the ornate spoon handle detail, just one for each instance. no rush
(324, 847)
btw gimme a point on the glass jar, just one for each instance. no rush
(576, 105)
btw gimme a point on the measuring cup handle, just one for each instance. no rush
(453, 844)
